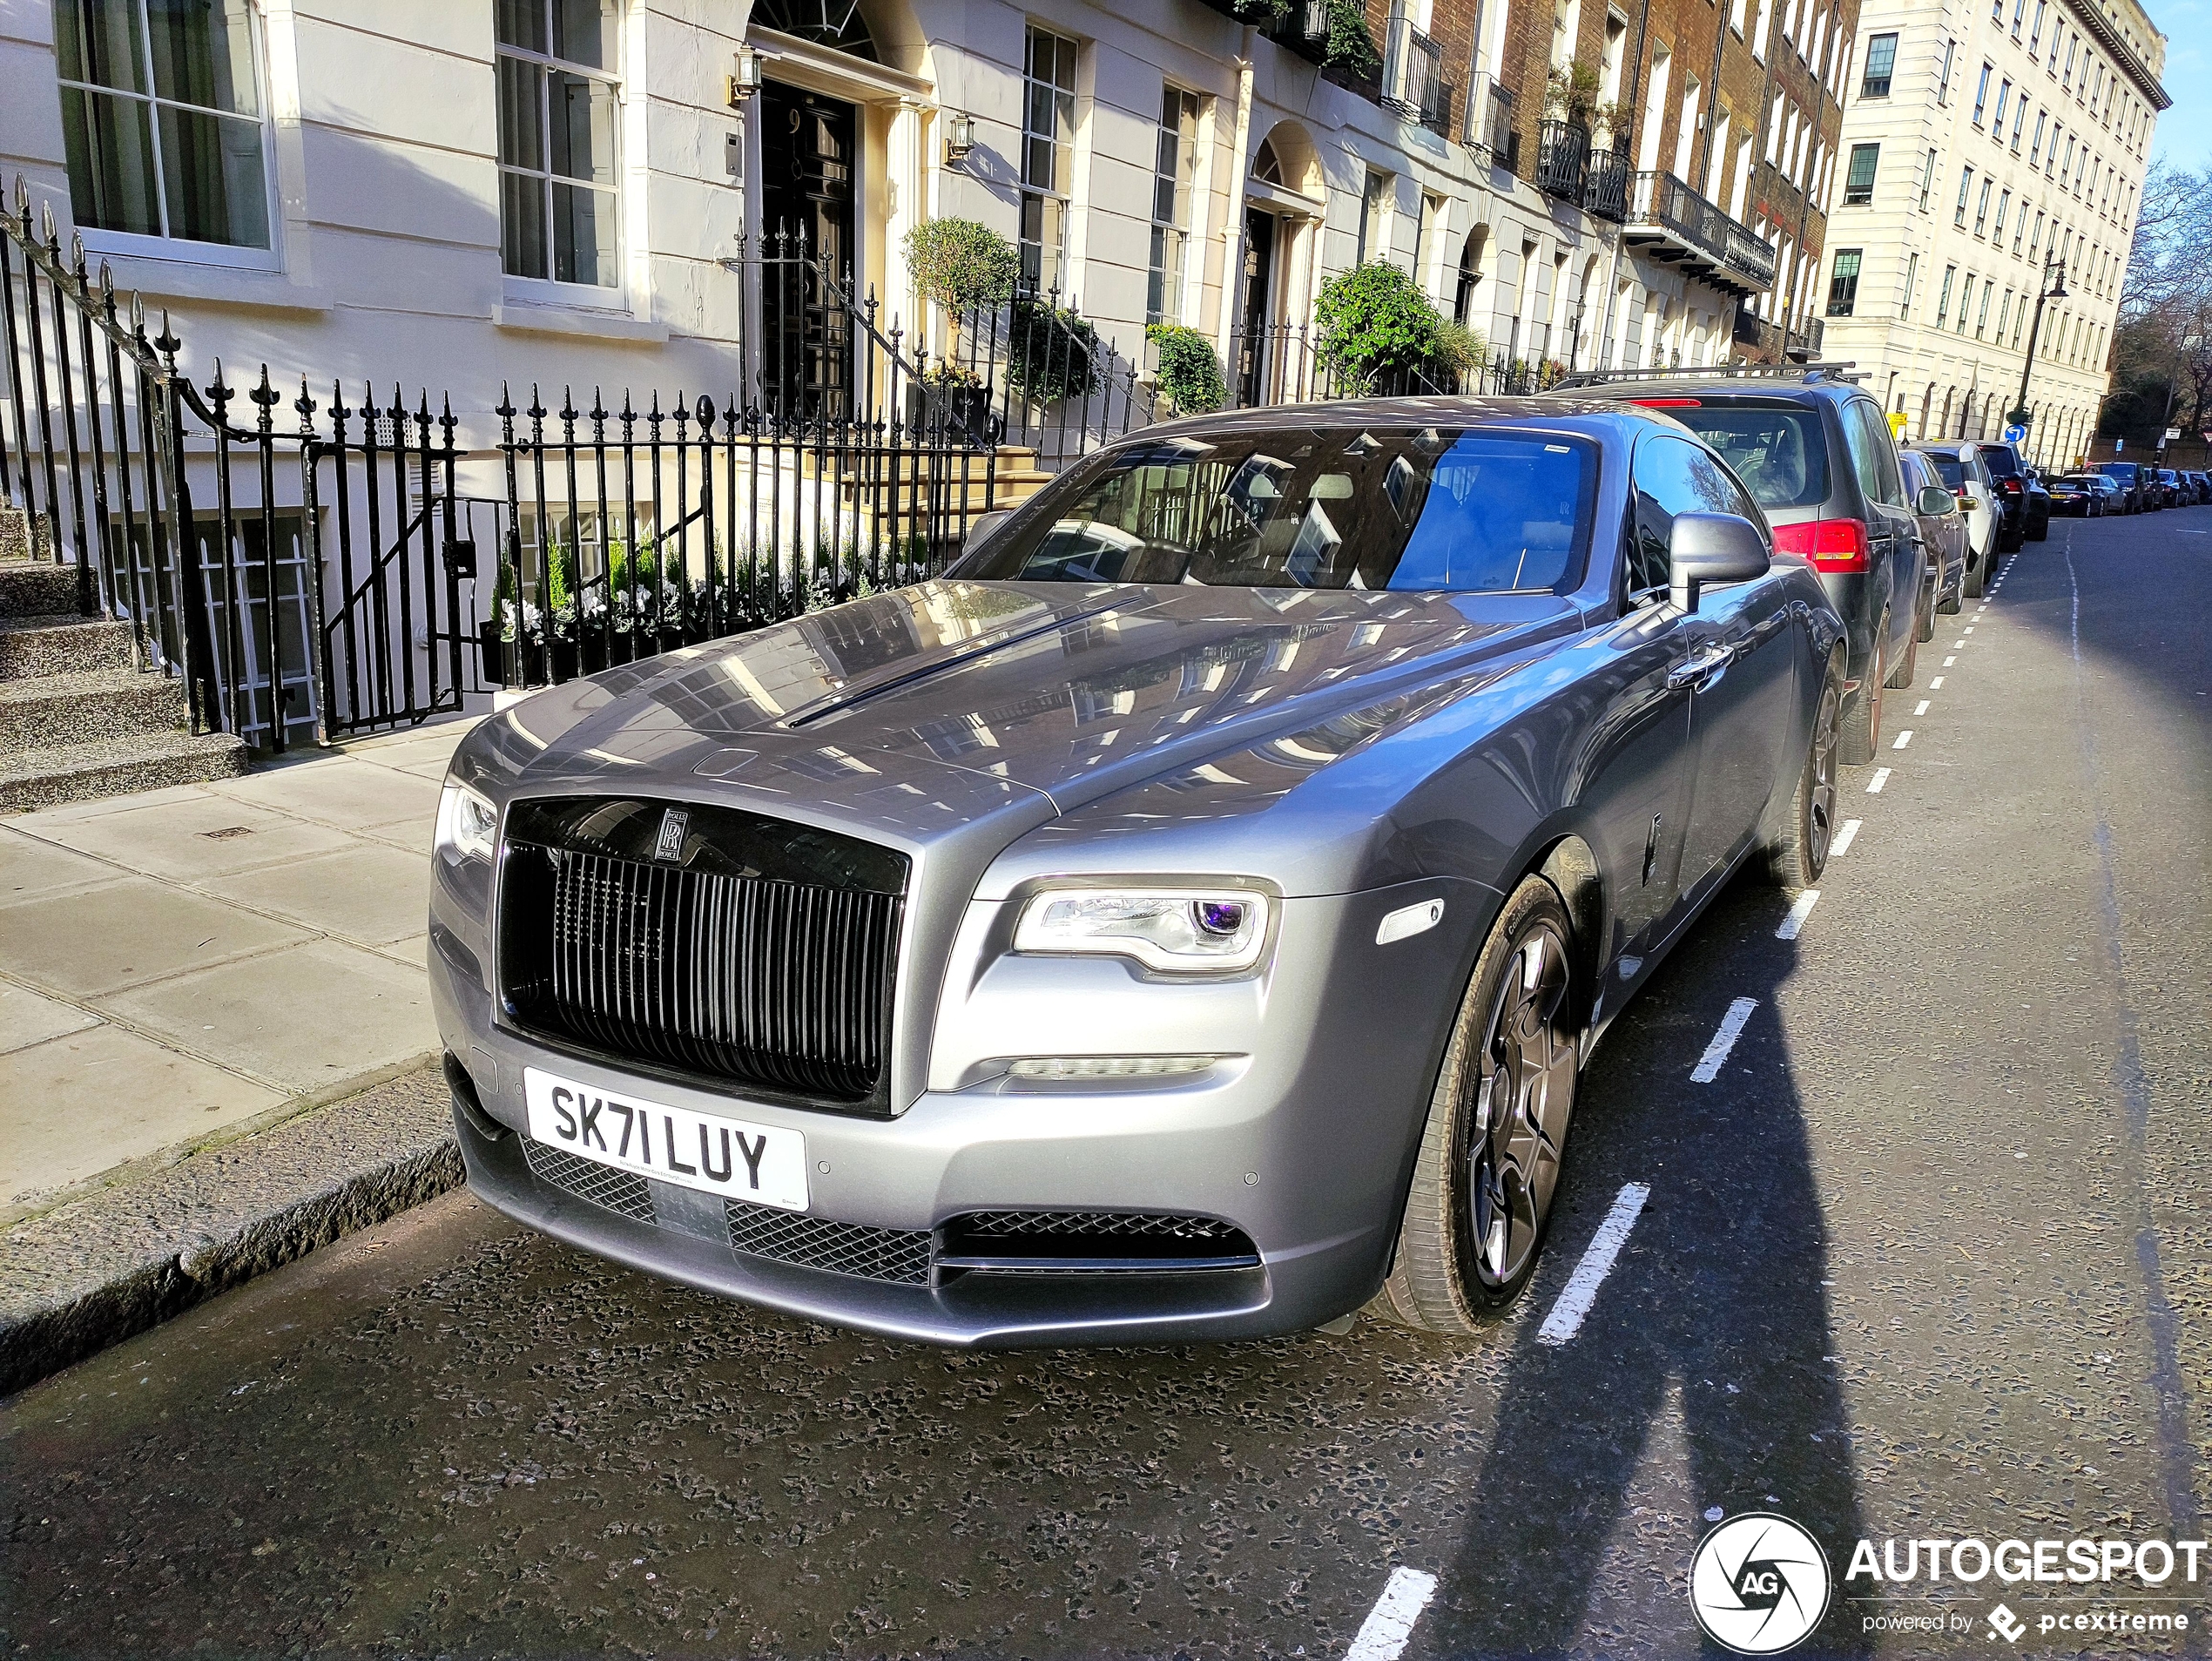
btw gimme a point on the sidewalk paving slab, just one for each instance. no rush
(92, 1273)
(341, 790)
(27, 1018)
(306, 1017)
(188, 839)
(368, 892)
(150, 1098)
(126, 932)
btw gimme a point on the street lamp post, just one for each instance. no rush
(2052, 287)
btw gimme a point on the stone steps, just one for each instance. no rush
(45, 711)
(77, 719)
(62, 643)
(34, 588)
(55, 773)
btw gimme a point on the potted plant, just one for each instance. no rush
(947, 400)
(1571, 94)
(1051, 352)
(961, 265)
(1189, 373)
(1376, 327)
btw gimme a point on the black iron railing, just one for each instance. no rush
(311, 566)
(1490, 126)
(1606, 186)
(1696, 231)
(1413, 82)
(1562, 160)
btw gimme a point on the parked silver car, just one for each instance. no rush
(1943, 539)
(1184, 921)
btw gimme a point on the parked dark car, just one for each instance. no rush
(2169, 483)
(996, 961)
(2010, 476)
(2081, 495)
(1816, 450)
(2133, 486)
(1943, 539)
(1963, 467)
(2202, 483)
(2036, 496)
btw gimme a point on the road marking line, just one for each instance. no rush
(1874, 785)
(1958, 645)
(1969, 628)
(1390, 1624)
(1842, 838)
(1923, 708)
(1566, 1318)
(1708, 1064)
(1903, 738)
(1790, 925)
(1936, 685)
(1947, 662)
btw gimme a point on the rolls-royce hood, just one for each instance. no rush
(1071, 691)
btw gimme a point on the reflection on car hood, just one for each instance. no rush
(1071, 689)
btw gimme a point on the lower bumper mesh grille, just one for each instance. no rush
(899, 1255)
(619, 1192)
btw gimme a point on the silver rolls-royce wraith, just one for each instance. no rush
(1183, 920)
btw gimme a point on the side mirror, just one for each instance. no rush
(1936, 500)
(981, 528)
(1712, 548)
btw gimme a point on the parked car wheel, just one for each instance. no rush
(1910, 665)
(1924, 624)
(1798, 853)
(1489, 1161)
(1863, 714)
(2042, 531)
(1978, 574)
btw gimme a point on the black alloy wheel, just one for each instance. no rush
(1797, 850)
(1523, 1094)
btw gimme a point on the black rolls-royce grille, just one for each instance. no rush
(762, 956)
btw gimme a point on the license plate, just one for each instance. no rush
(758, 1163)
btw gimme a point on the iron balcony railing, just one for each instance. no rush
(1413, 76)
(1769, 342)
(1562, 160)
(1692, 230)
(1490, 125)
(1605, 188)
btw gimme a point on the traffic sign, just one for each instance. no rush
(2015, 433)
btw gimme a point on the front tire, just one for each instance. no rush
(1489, 1162)
(1978, 574)
(1796, 857)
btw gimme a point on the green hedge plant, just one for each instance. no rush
(1189, 373)
(1050, 352)
(1376, 324)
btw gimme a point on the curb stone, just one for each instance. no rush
(91, 1273)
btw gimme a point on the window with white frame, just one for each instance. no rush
(163, 123)
(560, 106)
(1047, 156)
(1175, 164)
(1375, 218)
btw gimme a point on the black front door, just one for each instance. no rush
(1259, 273)
(809, 149)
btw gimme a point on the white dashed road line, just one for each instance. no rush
(1708, 1064)
(1787, 930)
(1874, 785)
(1947, 662)
(1843, 841)
(1566, 1318)
(1903, 738)
(1923, 709)
(1936, 685)
(1383, 1634)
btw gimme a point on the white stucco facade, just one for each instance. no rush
(2011, 137)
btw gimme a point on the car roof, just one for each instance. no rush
(1593, 417)
(1819, 384)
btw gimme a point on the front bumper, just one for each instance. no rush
(1305, 1144)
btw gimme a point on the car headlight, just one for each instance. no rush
(468, 825)
(1172, 931)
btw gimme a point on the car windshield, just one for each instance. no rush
(1953, 471)
(1426, 510)
(2001, 461)
(2118, 469)
(2076, 482)
(1779, 450)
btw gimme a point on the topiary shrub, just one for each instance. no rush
(1461, 353)
(961, 264)
(1376, 326)
(1189, 373)
(1050, 353)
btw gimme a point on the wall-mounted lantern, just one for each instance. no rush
(960, 138)
(739, 86)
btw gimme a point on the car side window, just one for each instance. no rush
(1873, 455)
(1674, 476)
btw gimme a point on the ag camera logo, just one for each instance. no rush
(1758, 1583)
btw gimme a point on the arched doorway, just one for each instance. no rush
(1284, 199)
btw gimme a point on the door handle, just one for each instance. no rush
(1701, 668)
